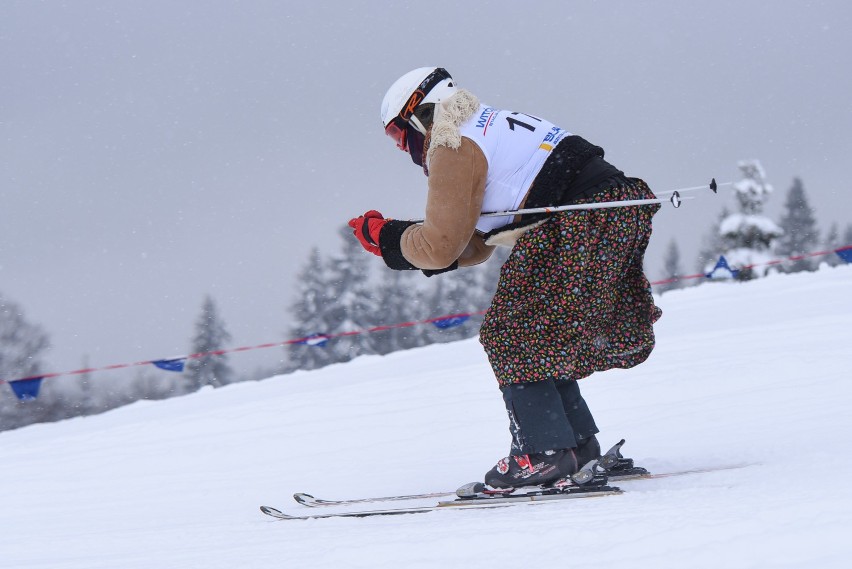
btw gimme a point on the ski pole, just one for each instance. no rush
(713, 186)
(675, 200)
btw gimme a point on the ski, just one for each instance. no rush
(479, 497)
(312, 502)
(278, 514)
(636, 473)
(616, 466)
(702, 470)
(478, 500)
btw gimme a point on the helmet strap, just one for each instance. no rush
(415, 122)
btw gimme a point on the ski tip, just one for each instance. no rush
(303, 498)
(270, 511)
(713, 185)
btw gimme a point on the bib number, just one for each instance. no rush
(515, 122)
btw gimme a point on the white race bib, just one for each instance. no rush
(515, 146)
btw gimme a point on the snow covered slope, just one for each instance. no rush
(756, 374)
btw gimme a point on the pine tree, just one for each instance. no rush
(838, 242)
(308, 313)
(154, 385)
(847, 236)
(335, 297)
(22, 346)
(87, 404)
(489, 275)
(671, 266)
(799, 225)
(454, 292)
(400, 300)
(354, 306)
(747, 236)
(830, 243)
(22, 343)
(210, 336)
(713, 245)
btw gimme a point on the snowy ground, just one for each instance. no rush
(755, 373)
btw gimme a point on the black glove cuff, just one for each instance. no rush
(389, 243)
(432, 272)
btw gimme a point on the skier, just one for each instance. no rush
(572, 298)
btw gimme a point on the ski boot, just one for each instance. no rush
(588, 480)
(587, 451)
(532, 469)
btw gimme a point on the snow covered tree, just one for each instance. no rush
(712, 245)
(210, 336)
(847, 236)
(86, 403)
(400, 299)
(466, 290)
(673, 271)
(455, 292)
(830, 243)
(800, 231)
(154, 385)
(748, 235)
(313, 297)
(22, 343)
(22, 346)
(354, 307)
(335, 297)
(834, 241)
(488, 274)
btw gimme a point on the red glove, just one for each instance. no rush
(367, 229)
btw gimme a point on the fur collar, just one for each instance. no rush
(508, 235)
(449, 116)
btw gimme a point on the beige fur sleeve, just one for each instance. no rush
(456, 191)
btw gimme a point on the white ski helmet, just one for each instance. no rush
(422, 85)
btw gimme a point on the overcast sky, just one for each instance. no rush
(154, 152)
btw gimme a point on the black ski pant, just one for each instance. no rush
(547, 415)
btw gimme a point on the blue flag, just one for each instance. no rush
(845, 253)
(319, 340)
(26, 389)
(176, 364)
(451, 321)
(722, 270)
